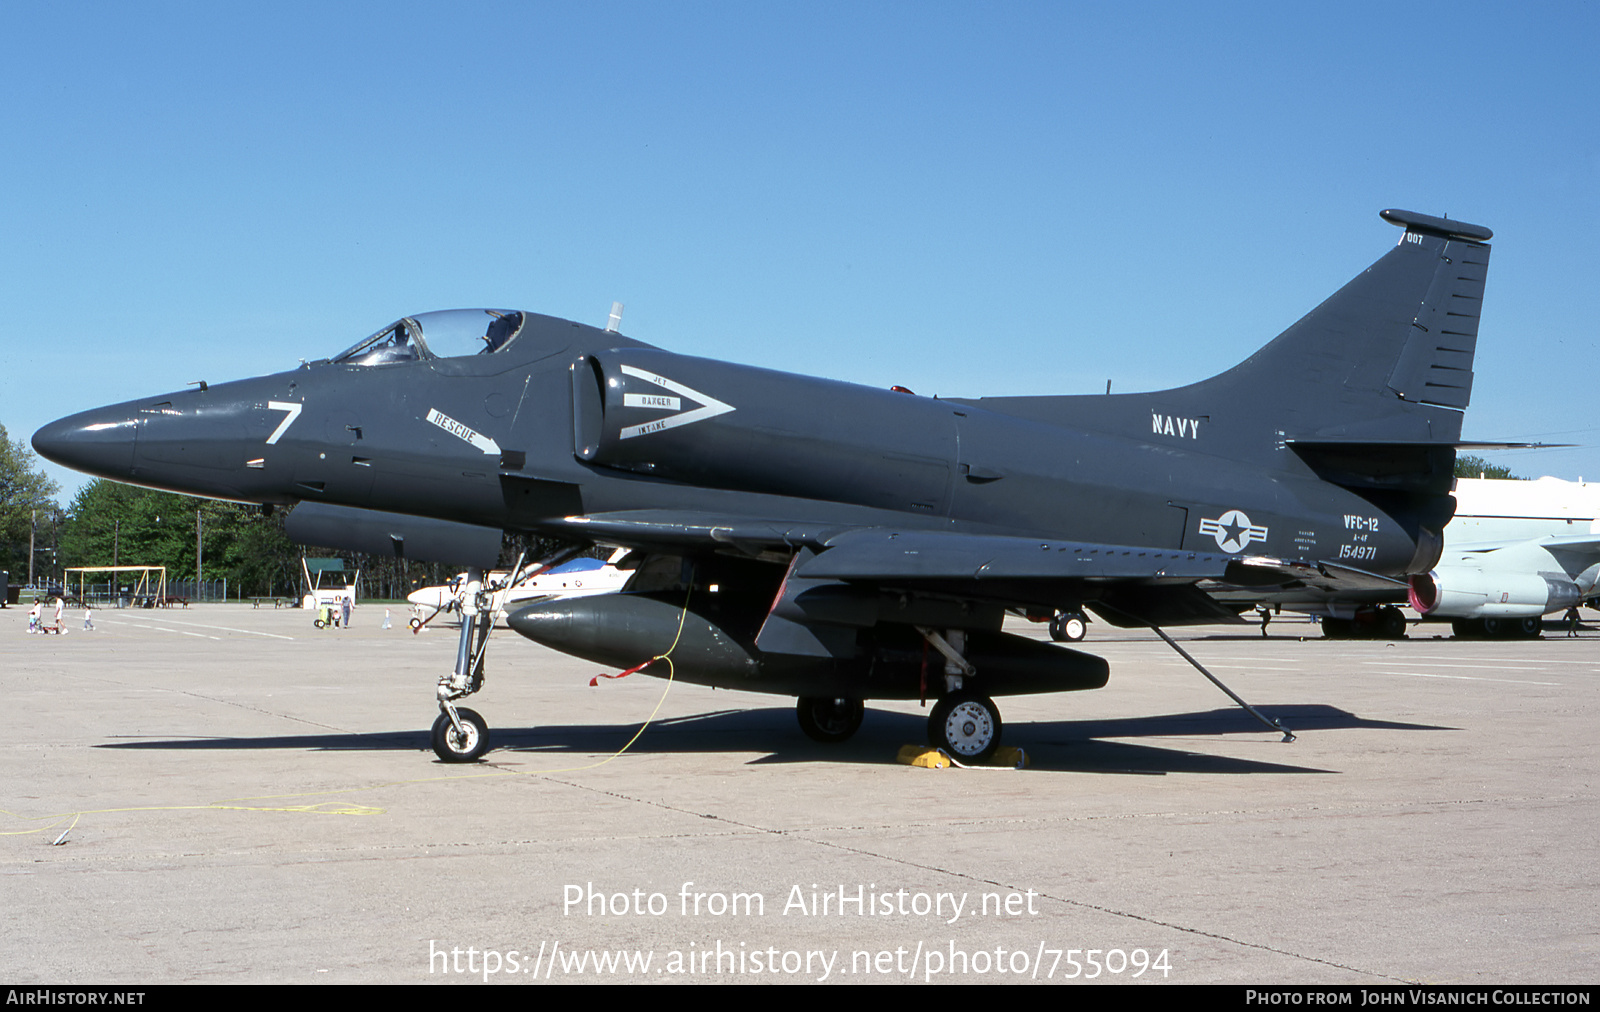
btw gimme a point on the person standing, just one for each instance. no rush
(344, 611)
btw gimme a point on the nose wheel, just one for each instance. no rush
(464, 744)
(966, 725)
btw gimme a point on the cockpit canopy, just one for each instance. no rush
(452, 333)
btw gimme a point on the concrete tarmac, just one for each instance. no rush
(226, 794)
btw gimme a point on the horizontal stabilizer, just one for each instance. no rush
(1326, 576)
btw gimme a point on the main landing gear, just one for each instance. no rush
(966, 724)
(1386, 623)
(1499, 628)
(827, 719)
(1069, 627)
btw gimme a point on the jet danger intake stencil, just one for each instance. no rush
(1233, 531)
(710, 407)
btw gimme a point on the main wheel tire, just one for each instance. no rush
(1465, 628)
(1530, 628)
(828, 718)
(1391, 623)
(1496, 628)
(966, 725)
(464, 747)
(1069, 627)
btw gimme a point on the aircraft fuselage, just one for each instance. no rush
(525, 441)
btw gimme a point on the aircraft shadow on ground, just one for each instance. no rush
(1063, 745)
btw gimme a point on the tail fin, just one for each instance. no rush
(1386, 359)
(1366, 390)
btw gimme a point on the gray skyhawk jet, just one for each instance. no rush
(838, 542)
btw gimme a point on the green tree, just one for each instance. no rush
(110, 524)
(26, 495)
(1468, 466)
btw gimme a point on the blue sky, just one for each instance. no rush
(966, 199)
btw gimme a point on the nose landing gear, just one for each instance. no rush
(463, 741)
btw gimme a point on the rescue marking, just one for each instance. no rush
(710, 406)
(1233, 531)
(462, 432)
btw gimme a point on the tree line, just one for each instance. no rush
(111, 524)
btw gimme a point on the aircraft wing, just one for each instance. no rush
(1555, 543)
(1128, 585)
(898, 556)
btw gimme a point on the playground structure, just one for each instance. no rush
(149, 591)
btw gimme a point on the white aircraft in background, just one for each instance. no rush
(578, 578)
(1515, 552)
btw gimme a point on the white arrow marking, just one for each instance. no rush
(711, 406)
(456, 429)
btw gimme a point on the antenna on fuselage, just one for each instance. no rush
(616, 318)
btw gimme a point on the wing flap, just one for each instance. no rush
(887, 556)
(691, 529)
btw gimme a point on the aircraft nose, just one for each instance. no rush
(99, 442)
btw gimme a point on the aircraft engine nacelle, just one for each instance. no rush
(1466, 593)
(393, 535)
(755, 430)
